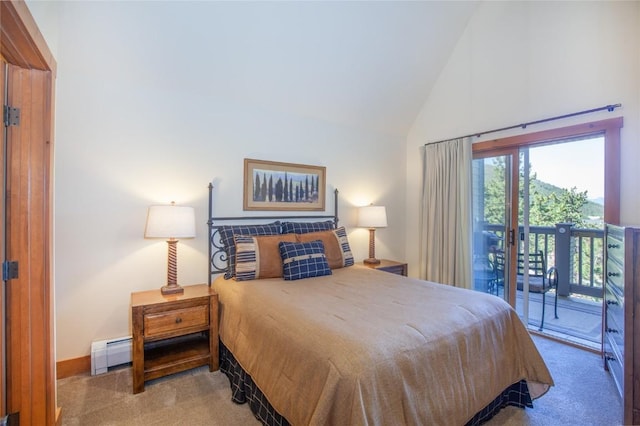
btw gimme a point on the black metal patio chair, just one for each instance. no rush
(541, 279)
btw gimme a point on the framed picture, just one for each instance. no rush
(269, 185)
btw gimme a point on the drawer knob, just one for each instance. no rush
(613, 274)
(178, 320)
(611, 330)
(613, 246)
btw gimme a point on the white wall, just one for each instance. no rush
(523, 61)
(135, 128)
(138, 123)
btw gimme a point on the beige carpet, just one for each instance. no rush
(193, 398)
(584, 395)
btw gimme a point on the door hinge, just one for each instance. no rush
(9, 270)
(11, 116)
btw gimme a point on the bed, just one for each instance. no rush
(353, 345)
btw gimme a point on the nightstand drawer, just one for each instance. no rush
(172, 321)
(399, 268)
(615, 243)
(396, 269)
(615, 275)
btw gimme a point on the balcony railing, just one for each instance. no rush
(578, 254)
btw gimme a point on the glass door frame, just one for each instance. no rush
(511, 155)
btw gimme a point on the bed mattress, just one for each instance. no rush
(362, 346)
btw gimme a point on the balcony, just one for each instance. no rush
(579, 320)
(578, 254)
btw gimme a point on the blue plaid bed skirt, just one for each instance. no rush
(244, 390)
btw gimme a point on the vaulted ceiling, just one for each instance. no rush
(364, 64)
(369, 64)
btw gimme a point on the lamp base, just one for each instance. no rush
(372, 261)
(171, 289)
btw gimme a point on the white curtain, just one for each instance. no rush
(445, 219)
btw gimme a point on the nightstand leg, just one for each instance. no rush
(138, 350)
(214, 362)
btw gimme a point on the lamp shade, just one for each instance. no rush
(372, 217)
(170, 222)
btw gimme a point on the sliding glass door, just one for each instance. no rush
(495, 177)
(502, 246)
(538, 215)
(560, 234)
(548, 192)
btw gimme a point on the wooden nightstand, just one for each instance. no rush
(392, 266)
(173, 333)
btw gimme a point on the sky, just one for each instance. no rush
(579, 164)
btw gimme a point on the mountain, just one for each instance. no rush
(593, 210)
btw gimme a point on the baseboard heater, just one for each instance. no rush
(109, 353)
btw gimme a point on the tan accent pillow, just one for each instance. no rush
(259, 256)
(336, 246)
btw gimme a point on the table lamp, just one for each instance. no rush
(171, 222)
(372, 217)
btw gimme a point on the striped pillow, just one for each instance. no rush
(303, 260)
(226, 238)
(336, 246)
(259, 257)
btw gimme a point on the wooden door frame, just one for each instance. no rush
(3, 388)
(21, 42)
(608, 128)
(22, 45)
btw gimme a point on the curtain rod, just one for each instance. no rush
(609, 108)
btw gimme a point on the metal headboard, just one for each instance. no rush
(217, 255)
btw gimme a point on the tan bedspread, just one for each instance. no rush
(368, 347)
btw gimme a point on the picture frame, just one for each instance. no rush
(271, 185)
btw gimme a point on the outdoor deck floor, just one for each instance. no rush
(579, 319)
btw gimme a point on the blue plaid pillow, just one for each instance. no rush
(305, 227)
(226, 238)
(303, 260)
